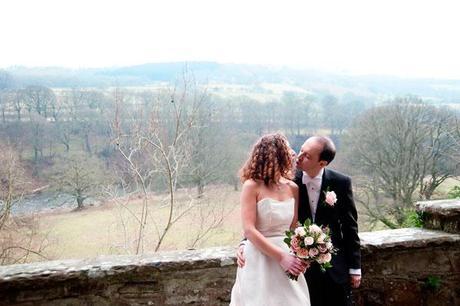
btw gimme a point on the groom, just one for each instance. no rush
(332, 288)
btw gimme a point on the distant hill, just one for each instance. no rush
(447, 91)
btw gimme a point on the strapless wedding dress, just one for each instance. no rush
(262, 281)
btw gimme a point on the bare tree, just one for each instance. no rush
(18, 102)
(11, 180)
(296, 114)
(160, 150)
(402, 148)
(210, 149)
(440, 160)
(19, 237)
(39, 99)
(86, 111)
(4, 103)
(80, 176)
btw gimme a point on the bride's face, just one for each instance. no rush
(293, 155)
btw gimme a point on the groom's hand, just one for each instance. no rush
(355, 281)
(240, 256)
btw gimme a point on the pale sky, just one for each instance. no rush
(402, 37)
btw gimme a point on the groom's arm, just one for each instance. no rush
(349, 220)
(240, 260)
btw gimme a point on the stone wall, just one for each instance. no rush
(404, 267)
(400, 267)
(441, 215)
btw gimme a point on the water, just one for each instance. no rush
(46, 202)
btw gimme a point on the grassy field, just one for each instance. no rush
(112, 227)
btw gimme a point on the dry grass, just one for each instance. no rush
(111, 228)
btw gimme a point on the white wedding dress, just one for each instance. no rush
(262, 281)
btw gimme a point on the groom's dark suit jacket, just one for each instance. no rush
(341, 219)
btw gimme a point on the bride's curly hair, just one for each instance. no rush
(270, 160)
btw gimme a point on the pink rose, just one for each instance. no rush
(313, 252)
(331, 198)
(302, 253)
(323, 258)
(322, 248)
(295, 243)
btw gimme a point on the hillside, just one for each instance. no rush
(320, 82)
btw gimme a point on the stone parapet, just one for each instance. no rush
(400, 267)
(202, 277)
(408, 267)
(441, 215)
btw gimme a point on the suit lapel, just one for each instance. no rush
(320, 209)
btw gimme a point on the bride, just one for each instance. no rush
(268, 208)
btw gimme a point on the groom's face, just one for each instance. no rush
(308, 159)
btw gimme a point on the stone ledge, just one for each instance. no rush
(404, 237)
(441, 215)
(395, 263)
(117, 264)
(447, 208)
(104, 266)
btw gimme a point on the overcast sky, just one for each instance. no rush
(403, 37)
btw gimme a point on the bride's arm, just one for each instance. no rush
(249, 215)
(295, 193)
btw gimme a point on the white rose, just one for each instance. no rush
(315, 228)
(300, 231)
(329, 245)
(309, 240)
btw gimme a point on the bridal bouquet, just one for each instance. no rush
(311, 243)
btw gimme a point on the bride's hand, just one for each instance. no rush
(305, 265)
(291, 264)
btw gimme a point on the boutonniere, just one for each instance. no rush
(330, 197)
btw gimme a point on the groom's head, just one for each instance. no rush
(316, 153)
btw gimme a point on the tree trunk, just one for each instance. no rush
(80, 200)
(200, 188)
(87, 144)
(235, 184)
(35, 155)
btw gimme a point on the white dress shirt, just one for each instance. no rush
(314, 191)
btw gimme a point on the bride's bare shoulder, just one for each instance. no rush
(291, 184)
(251, 184)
